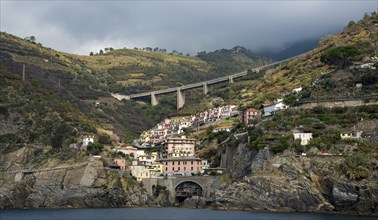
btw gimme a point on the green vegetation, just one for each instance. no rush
(234, 60)
(94, 148)
(339, 56)
(305, 71)
(104, 139)
(355, 167)
(325, 124)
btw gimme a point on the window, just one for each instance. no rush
(166, 169)
(166, 163)
(178, 168)
(191, 162)
(184, 168)
(191, 168)
(173, 163)
(179, 163)
(173, 168)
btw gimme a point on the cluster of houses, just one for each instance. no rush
(170, 127)
(177, 157)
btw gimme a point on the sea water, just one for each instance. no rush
(161, 214)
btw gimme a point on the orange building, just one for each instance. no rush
(181, 165)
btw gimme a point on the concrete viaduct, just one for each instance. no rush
(180, 90)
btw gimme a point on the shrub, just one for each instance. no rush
(339, 56)
(104, 139)
(283, 145)
(355, 167)
(94, 148)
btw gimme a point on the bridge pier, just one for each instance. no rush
(154, 99)
(180, 99)
(205, 88)
(230, 79)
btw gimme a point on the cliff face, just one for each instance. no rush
(83, 183)
(288, 182)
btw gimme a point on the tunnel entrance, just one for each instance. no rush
(186, 190)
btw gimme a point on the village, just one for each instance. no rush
(165, 150)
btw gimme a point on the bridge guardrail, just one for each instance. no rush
(212, 81)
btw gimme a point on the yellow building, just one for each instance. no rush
(157, 167)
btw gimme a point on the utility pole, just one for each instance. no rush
(23, 72)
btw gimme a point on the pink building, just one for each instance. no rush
(248, 115)
(121, 163)
(181, 165)
(179, 147)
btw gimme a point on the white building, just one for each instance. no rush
(222, 128)
(204, 165)
(304, 137)
(351, 135)
(269, 110)
(139, 171)
(87, 140)
(146, 160)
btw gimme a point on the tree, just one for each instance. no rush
(104, 139)
(351, 23)
(91, 54)
(94, 148)
(101, 52)
(339, 56)
(31, 39)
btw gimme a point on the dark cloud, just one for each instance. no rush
(188, 26)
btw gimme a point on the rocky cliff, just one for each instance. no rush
(287, 182)
(72, 183)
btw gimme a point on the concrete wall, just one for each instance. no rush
(343, 103)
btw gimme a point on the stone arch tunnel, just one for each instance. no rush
(183, 186)
(187, 189)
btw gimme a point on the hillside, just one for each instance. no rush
(305, 70)
(268, 169)
(65, 96)
(82, 81)
(237, 59)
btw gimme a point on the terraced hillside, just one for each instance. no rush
(307, 69)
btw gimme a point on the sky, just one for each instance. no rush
(186, 26)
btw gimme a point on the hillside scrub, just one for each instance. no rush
(339, 56)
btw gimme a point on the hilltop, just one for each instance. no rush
(83, 81)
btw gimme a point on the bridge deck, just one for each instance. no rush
(209, 82)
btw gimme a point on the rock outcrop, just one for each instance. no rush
(83, 183)
(288, 182)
